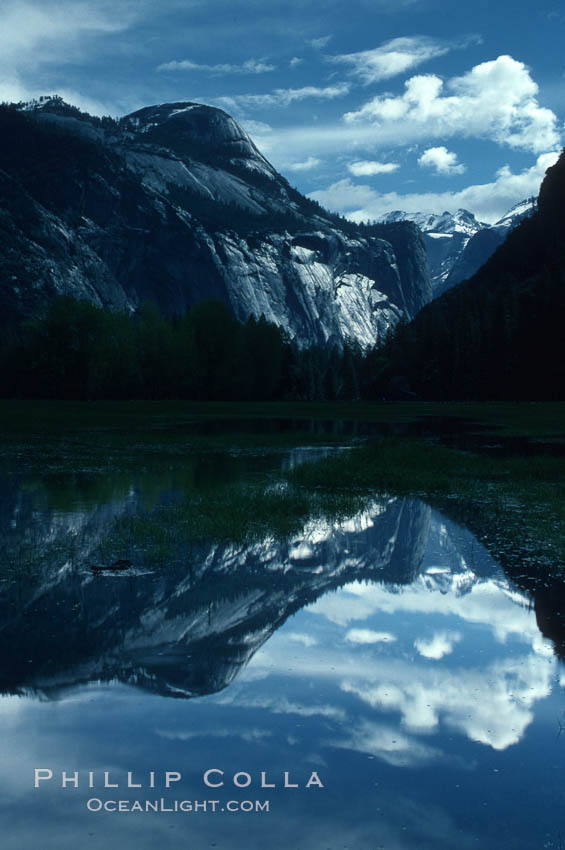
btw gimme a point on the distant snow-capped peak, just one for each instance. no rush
(516, 213)
(445, 223)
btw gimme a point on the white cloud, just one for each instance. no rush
(391, 58)
(319, 43)
(35, 35)
(388, 744)
(282, 97)
(345, 196)
(250, 735)
(307, 165)
(27, 27)
(281, 705)
(487, 603)
(295, 62)
(13, 90)
(495, 100)
(368, 636)
(251, 66)
(256, 127)
(304, 639)
(442, 161)
(427, 697)
(488, 201)
(368, 168)
(440, 644)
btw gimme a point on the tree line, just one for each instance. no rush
(477, 342)
(78, 350)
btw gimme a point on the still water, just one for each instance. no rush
(383, 667)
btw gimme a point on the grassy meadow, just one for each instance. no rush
(506, 482)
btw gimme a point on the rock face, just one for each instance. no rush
(459, 244)
(173, 204)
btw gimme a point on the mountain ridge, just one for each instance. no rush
(174, 204)
(458, 244)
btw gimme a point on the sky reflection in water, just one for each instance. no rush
(426, 699)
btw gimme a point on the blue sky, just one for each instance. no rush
(367, 105)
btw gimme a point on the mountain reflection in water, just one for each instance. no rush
(189, 631)
(388, 652)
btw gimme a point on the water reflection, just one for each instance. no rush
(387, 652)
(189, 629)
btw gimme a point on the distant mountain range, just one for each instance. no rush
(498, 334)
(458, 244)
(174, 204)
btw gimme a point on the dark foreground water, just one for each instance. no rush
(384, 668)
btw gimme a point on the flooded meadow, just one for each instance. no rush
(259, 662)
